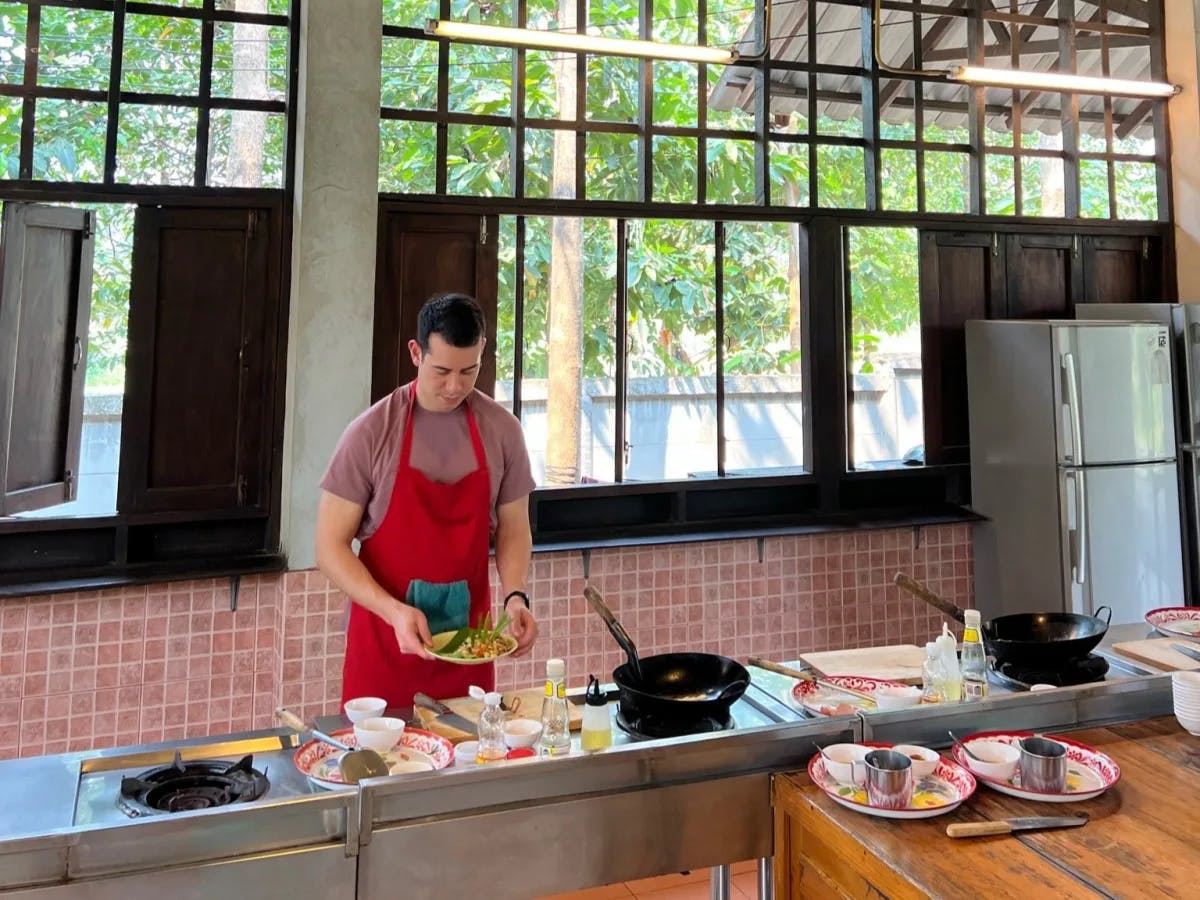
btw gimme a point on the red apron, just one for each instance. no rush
(438, 533)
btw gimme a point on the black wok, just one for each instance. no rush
(1045, 640)
(679, 686)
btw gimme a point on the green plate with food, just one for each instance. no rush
(472, 646)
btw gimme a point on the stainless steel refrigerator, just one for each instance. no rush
(1073, 464)
(1183, 321)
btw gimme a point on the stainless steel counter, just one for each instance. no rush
(639, 808)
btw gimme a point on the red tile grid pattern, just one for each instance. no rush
(166, 661)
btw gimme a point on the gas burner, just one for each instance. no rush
(1076, 671)
(199, 784)
(650, 727)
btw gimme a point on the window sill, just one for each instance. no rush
(149, 573)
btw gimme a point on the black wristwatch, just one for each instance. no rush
(524, 596)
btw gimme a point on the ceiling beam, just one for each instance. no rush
(929, 43)
(1133, 119)
(1087, 42)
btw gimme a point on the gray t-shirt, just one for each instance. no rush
(363, 467)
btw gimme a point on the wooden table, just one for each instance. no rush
(1143, 839)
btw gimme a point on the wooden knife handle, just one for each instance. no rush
(290, 719)
(978, 829)
(780, 669)
(921, 592)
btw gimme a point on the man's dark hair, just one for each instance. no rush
(456, 317)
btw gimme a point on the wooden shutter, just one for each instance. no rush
(1045, 276)
(196, 430)
(962, 277)
(45, 300)
(422, 254)
(1120, 269)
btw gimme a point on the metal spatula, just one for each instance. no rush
(354, 765)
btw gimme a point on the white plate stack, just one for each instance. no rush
(1185, 692)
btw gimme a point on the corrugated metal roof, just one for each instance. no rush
(944, 44)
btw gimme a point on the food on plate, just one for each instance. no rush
(484, 641)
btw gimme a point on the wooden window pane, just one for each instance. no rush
(68, 142)
(246, 148)
(842, 180)
(13, 19)
(408, 77)
(675, 164)
(156, 145)
(1093, 189)
(480, 79)
(675, 93)
(250, 61)
(789, 174)
(607, 168)
(407, 163)
(1136, 190)
(74, 48)
(151, 39)
(478, 161)
(1000, 186)
(899, 179)
(731, 171)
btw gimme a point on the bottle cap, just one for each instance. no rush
(972, 618)
(491, 698)
(595, 696)
(555, 668)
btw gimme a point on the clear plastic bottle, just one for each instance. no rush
(974, 659)
(491, 727)
(597, 725)
(931, 675)
(556, 722)
(951, 679)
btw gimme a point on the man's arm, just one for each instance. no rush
(514, 548)
(337, 524)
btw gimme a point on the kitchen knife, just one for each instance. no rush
(1008, 826)
(1190, 652)
(445, 715)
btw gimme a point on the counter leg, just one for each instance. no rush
(719, 882)
(766, 878)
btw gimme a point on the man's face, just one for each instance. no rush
(445, 374)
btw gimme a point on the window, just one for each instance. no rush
(166, 124)
(186, 94)
(710, 275)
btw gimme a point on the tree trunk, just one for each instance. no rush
(248, 129)
(795, 294)
(565, 350)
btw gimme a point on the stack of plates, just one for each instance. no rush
(1185, 692)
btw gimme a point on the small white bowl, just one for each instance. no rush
(380, 733)
(465, 752)
(521, 732)
(924, 760)
(999, 760)
(896, 697)
(839, 759)
(364, 708)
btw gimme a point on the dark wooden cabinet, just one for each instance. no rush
(422, 254)
(1044, 274)
(197, 429)
(1121, 269)
(46, 260)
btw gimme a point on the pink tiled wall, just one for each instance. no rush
(166, 661)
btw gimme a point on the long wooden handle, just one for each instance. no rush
(806, 676)
(598, 604)
(978, 829)
(921, 592)
(290, 719)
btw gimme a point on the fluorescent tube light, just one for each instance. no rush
(1058, 81)
(576, 43)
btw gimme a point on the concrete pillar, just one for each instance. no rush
(1182, 35)
(333, 249)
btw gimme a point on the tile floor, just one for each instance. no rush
(683, 886)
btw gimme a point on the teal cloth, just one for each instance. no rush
(446, 606)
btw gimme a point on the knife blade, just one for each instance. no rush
(445, 715)
(1008, 826)
(1190, 652)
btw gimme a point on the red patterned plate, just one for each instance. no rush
(417, 751)
(1089, 772)
(1175, 621)
(934, 795)
(824, 702)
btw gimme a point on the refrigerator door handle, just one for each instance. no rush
(1068, 364)
(1079, 534)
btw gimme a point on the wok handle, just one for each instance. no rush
(921, 592)
(615, 628)
(1106, 609)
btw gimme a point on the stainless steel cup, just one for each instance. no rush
(889, 779)
(1043, 765)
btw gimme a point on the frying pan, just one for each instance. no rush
(671, 685)
(1045, 640)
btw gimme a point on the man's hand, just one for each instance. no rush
(521, 625)
(412, 631)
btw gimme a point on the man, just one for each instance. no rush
(424, 479)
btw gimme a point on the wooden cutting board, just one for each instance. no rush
(530, 708)
(899, 662)
(1157, 652)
